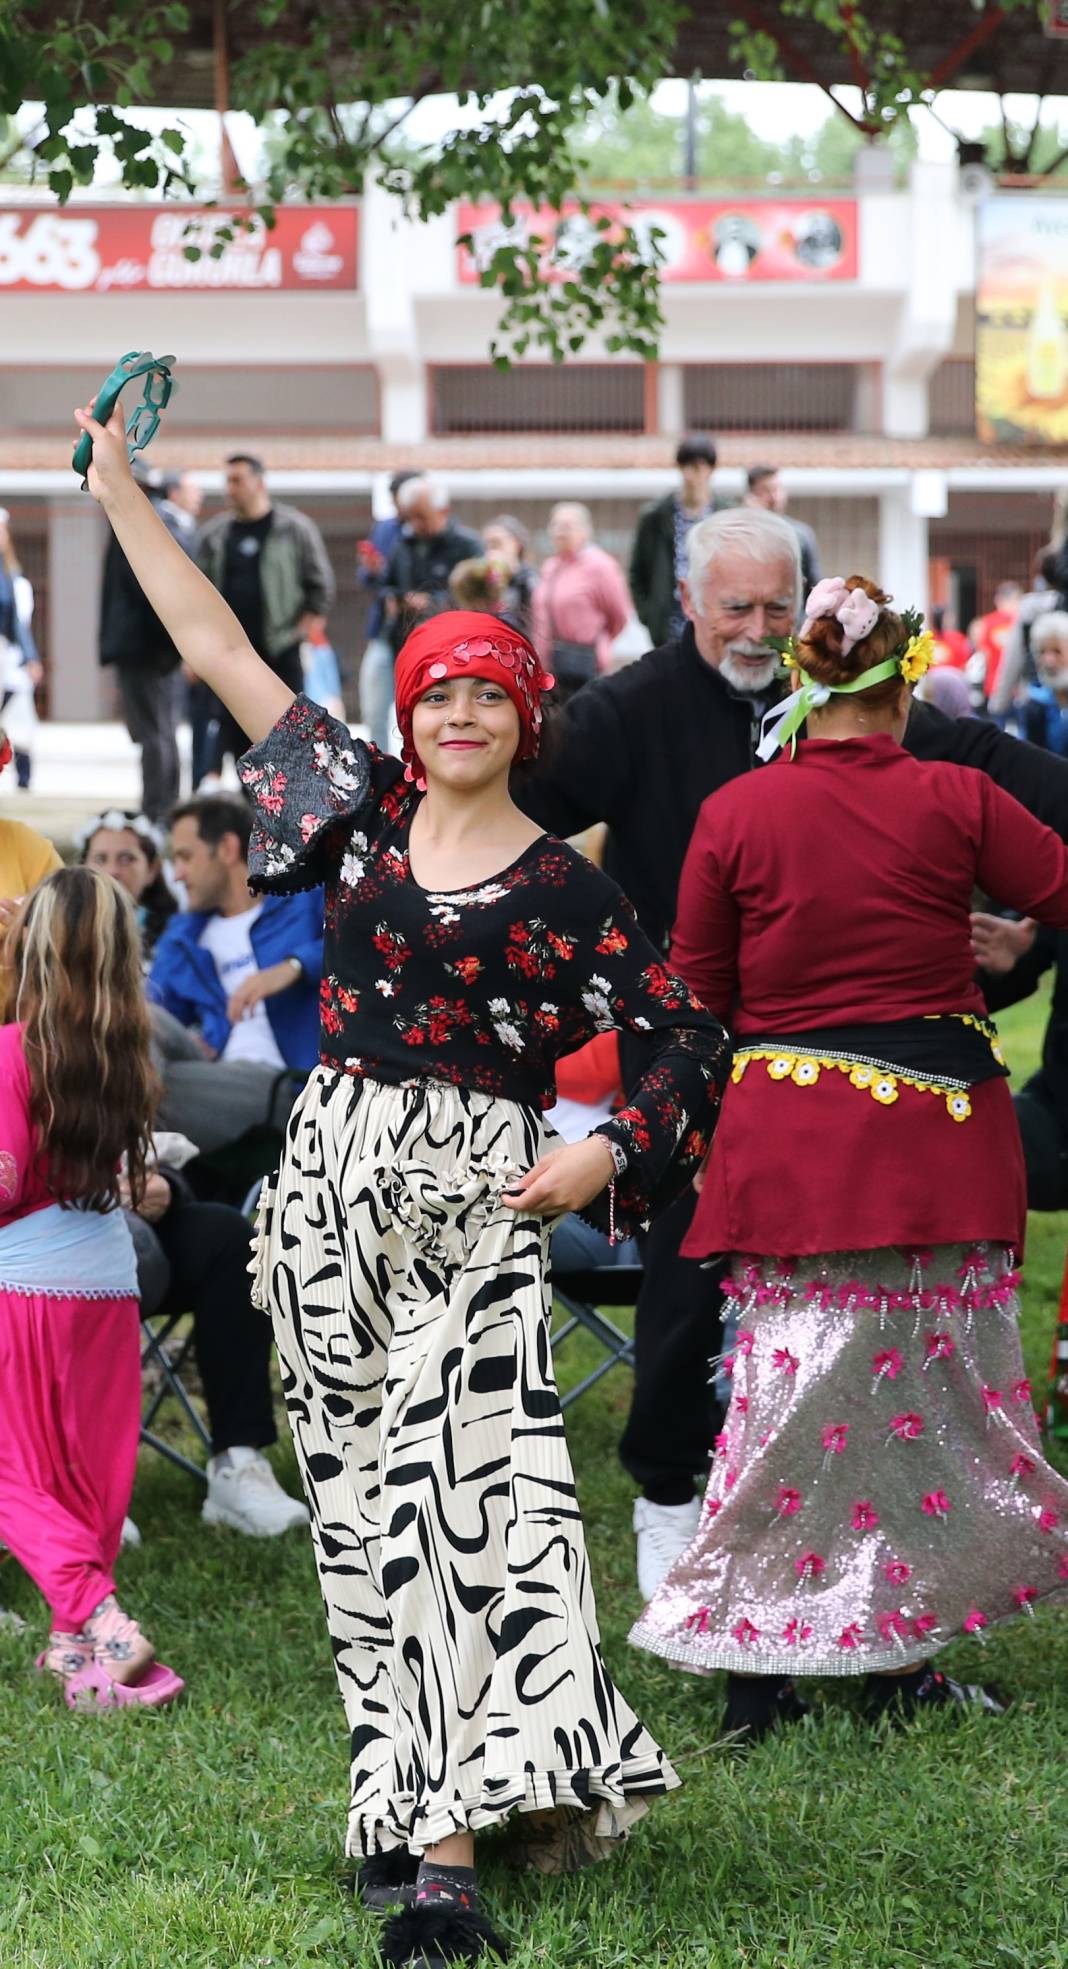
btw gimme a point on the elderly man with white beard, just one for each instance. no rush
(641, 750)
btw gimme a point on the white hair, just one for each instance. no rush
(413, 490)
(1049, 628)
(747, 530)
(582, 513)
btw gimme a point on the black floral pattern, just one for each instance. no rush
(484, 987)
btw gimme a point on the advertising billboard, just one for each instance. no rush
(735, 241)
(1021, 319)
(110, 249)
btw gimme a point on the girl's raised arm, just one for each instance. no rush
(202, 626)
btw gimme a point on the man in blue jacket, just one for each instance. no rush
(242, 970)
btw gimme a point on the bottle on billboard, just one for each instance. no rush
(1047, 348)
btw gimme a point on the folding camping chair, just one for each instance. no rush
(155, 1334)
(582, 1295)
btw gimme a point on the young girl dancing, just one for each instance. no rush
(76, 1096)
(880, 1486)
(403, 1251)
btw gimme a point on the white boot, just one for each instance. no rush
(244, 1493)
(130, 1534)
(664, 1531)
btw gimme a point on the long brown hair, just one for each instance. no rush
(75, 986)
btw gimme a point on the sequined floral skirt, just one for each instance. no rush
(879, 1486)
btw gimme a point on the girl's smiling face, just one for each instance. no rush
(466, 731)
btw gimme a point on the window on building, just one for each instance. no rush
(238, 397)
(951, 398)
(468, 398)
(781, 396)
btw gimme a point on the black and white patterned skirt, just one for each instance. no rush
(411, 1313)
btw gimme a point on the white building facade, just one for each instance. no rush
(359, 346)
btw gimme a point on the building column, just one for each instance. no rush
(670, 400)
(928, 319)
(77, 541)
(903, 549)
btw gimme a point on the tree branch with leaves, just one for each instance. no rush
(333, 88)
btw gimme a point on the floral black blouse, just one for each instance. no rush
(483, 987)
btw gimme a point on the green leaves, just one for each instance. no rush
(332, 94)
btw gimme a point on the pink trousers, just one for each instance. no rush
(70, 1417)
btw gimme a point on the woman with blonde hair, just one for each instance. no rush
(76, 1099)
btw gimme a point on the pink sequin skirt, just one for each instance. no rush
(879, 1487)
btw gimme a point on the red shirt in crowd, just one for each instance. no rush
(835, 890)
(951, 647)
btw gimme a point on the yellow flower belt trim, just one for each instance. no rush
(804, 1069)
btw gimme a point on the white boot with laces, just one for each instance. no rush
(664, 1531)
(244, 1493)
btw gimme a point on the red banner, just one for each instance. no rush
(735, 240)
(109, 249)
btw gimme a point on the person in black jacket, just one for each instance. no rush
(658, 557)
(641, 750)
(1013, 957)
(415, 584)
(145, 659)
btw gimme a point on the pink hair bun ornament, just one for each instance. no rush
(856, 611)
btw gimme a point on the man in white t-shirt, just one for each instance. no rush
(244, 971)
(229, 939)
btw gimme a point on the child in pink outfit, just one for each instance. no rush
(70, 1390)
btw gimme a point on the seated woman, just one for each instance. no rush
(129, 847)
(76, 1094)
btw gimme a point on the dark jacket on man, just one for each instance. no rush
(643, 748)
(296, 577)
(652, 565)
(131, 632)
(422, 566)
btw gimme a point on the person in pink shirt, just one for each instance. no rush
(581, 603)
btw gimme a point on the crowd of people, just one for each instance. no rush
(373, 1000)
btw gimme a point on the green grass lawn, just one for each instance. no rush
(210, 1835)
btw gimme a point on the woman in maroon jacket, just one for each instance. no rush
(879, 1487)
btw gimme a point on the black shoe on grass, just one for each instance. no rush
(387, 1880)
(433, 1934)
(758, 1704)
(901, 1697)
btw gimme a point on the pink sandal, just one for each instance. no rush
(109, 1665)
(92, 1687)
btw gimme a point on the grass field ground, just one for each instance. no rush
(208, 1837)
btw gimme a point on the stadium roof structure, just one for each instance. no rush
(956, 44)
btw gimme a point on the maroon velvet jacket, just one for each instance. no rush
(835, 890)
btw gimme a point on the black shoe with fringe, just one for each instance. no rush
(901, 1697)
(432, 1934)
(387, 1880)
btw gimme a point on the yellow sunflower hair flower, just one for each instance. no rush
(918, 658)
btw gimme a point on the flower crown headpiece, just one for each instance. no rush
(858, 614)
(119, 822)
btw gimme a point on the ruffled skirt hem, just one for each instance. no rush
(704, 1658)
(583, 1815)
